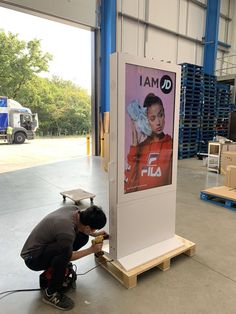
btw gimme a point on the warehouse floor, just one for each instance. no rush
(205, 283)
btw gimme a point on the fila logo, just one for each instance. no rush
(152, 158)
(152, 170)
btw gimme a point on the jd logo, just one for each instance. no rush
(166, 84)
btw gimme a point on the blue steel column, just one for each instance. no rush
(108, 46)
(211, 36)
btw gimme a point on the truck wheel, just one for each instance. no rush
(19, 138)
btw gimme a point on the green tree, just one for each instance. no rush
(62, 106)
(20, 62)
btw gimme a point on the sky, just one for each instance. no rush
(70, 46)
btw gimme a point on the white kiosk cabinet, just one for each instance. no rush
(142, 216)
(144, 115)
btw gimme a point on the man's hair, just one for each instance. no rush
(152, 99)
(94, 217)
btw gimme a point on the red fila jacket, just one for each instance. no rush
(149, 164)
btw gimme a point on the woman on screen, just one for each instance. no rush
(149, 160)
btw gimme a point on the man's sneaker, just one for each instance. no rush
(58, 300)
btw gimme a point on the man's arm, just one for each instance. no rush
(65, 242)
(94, 248)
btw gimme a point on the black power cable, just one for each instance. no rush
(7, 293)
(82, 274)
(14, 291)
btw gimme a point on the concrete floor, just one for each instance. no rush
(40, 151)
(204, 284)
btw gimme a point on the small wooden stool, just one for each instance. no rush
(77, 195)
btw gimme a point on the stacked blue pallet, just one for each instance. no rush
(205, 106)
(224, 107)
(208, 112)
(190, 110)
(232, 107)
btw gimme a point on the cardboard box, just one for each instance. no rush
(228, 147)
(227, 159)
(230, 178)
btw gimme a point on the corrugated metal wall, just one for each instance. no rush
(226, 61)
(169, 30)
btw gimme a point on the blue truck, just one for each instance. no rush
(17, 123)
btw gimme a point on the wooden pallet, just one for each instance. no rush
(220, 195)
(222, 171)
(129, 278)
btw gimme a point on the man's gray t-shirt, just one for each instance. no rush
(56, 226)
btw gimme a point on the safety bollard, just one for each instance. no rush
(88, 144)
(102, 147)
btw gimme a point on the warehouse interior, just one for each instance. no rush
(200, 37)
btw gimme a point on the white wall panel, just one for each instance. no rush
(199, 54)
(196, 21)
(222, 30)
(232, 8)
(132, 40)
(78, 11)
(182, 17)
(224, 7)
(186, 51)
(161, 46)
(134, 8)
(164, 13)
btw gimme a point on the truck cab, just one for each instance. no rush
(17, 123)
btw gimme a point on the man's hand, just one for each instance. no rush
(96, 247)
(101, 232)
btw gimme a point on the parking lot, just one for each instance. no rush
(40, 151)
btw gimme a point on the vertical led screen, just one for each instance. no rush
(149, 125)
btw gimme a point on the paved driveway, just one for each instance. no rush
(40, 151)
